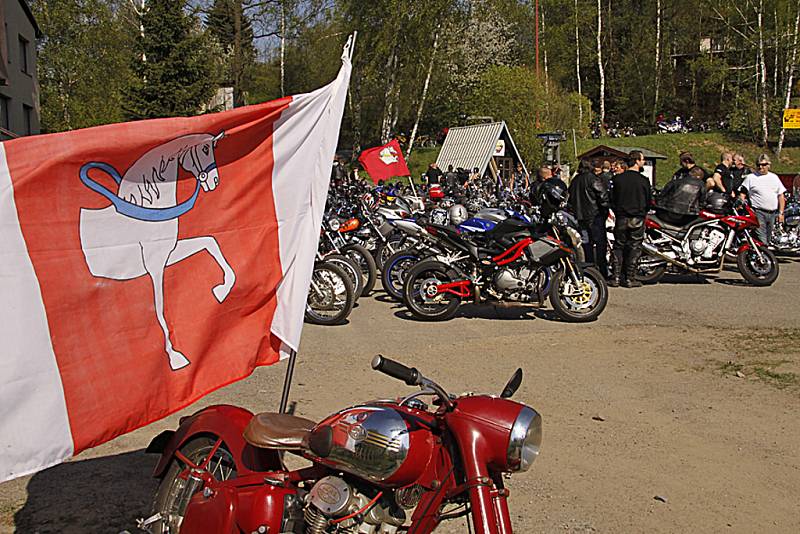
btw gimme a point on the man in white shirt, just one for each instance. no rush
(766, 196)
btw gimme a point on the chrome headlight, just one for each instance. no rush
(526, 438)
(334, 224)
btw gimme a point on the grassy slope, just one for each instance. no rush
(706, 148)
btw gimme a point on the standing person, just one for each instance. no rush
(738, 173)
(588, 198)
(722, 178)
(630, 200)
(687, 164)
(681, 200)
(433, 175)
(766, 196)
(520, 180)
(542, 175)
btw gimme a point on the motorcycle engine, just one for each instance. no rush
(507, 280)
(514, 284)
(332, 501)
(706, 243)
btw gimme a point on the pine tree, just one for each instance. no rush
(228, 23)
(175, 68)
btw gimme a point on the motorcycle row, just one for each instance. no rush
(458, 245)
(447, 246)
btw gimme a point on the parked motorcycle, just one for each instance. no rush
(785, 237)
(703, 245)
(510, 263)
(222, 470)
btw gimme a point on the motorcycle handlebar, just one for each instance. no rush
(397, 370)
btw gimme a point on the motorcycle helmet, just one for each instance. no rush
(718, 203)
(458, 214)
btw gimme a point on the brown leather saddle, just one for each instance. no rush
(278, 431)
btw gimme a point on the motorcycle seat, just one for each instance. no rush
(278, 431)
(667, 226)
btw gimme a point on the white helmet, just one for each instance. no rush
(458, 214)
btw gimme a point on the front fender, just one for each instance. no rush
(220, 421)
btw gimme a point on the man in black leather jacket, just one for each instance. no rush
(682, 198)
(630, 200)
(588, 198)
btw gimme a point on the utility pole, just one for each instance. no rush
(536, 39)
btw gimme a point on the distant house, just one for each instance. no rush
(487, 147)
(611, 152)
(19, 87)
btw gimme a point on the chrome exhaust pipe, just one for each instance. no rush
(653, 251)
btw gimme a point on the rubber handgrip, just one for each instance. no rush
(397, 370)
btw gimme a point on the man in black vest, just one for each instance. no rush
(630, 200)
(588, 198)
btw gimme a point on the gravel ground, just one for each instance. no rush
(676, 411)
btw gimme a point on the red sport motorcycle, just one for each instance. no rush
(222, 470)
(702, 246)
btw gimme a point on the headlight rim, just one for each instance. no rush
(528, 422)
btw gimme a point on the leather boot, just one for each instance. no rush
(616, 269)
(632, 268)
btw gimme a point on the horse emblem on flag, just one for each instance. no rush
(137, 234)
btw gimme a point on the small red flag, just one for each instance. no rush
(384, 162)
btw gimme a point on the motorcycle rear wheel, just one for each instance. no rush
(395, 269)
(369, 272)
(171, 499)
(442, 306)
(650, 274)
(756, 272)
(578, 304)
(335, 301)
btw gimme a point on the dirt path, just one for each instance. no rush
(644, 403)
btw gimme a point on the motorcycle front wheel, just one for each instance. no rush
(351, 268)
(175, 489)
(582, 302)
(395, 268)
(420, 296)
(331, 295)
(758, 272)
(365, 262)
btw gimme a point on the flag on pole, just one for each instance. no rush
(146, 264)
(384, 162)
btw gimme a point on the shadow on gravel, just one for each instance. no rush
(489, 311)
(385, 298)
(98, 495)
(738, 282)
(684, 279)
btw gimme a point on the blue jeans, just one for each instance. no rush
(766, 221)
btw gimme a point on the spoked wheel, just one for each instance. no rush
(393, 243)
(393, 274)
(581, 302)
(366, 263)
(758, 272)
(351, 268)
(178, 486)
(331, 295)
(421, 296)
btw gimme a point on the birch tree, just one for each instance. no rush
(425, 86)
(578, 64)
(789, 75)
(657, 80)
(600, 70)
(762, 66)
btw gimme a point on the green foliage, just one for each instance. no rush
(176, 68)
(513, 95)
(228, 23)
(83, 67)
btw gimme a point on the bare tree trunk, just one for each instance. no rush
(600, 66)
(283, 49)
(658, 58)
(424, 92)
(578, 64)
(789, 77)
(139, 8)
(544, 47)
(763, 81)
(388, 109)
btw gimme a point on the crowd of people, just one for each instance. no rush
(618, 185)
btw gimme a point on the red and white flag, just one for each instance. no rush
(145, 264)
(384, 162)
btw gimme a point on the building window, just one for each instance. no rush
(23, 55)
(27, 114)
(4, 123)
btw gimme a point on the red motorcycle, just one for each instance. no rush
(703, 245)
(222, 471)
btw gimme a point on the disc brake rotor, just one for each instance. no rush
(580, 296)
(428, 290)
